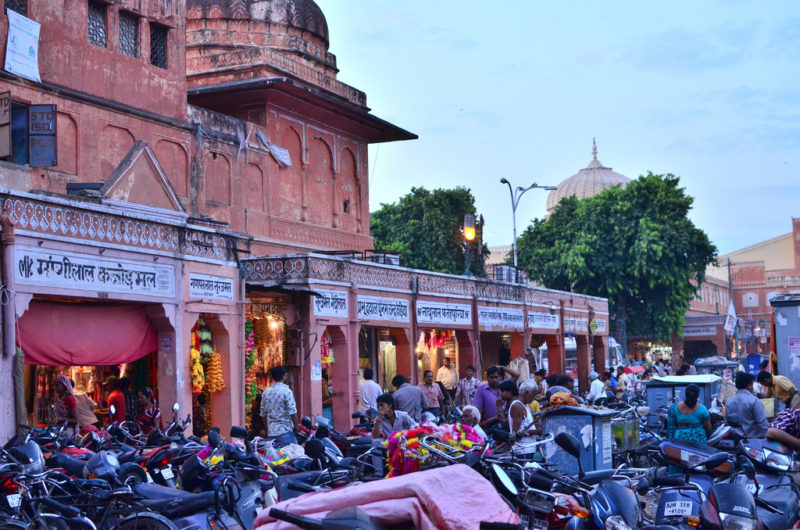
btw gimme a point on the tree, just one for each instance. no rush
(426, 227)
(633, 245)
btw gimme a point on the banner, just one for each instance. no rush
(22, 47)
(730, 320)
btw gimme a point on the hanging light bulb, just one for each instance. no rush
(469, 227)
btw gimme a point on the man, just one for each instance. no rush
(115, 398)
(409, 399)
(595, 389)
(623, 382)
(472, 416)
(748, 407)
(448, 376)
(131, 399)
(433, 394)
(487, 397)
(528, 391)
(785, 428)
(780, 387)
(388, 421)
(370, 390)
(539, 376)
(279, 409)
(465, 392)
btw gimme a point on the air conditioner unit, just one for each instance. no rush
(506, 273)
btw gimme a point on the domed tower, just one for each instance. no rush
(589, 181)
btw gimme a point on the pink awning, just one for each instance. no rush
(67, 334)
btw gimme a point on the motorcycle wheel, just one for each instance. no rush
(146, 521)
(131, 474)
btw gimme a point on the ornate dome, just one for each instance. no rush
(304, 15)
(589, 181)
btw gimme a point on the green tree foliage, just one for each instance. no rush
(635, 246)
(426, 227)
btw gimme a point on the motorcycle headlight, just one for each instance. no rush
(754, 453)
(736, 522)
(616, 522)
(779, 461)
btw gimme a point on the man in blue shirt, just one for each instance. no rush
(748, 407)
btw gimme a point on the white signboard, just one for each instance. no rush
(330, 304)
(438, 313)
(210, 287)
(69, 270)
(577, 324)
(542, 320)
(513, 318)
(601, 325)
(388, 309)
(490, 316)
(699, 331)
(22, 47)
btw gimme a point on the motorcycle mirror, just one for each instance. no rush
(504, 481)
(322, 420)
(714, 460)
(237, 431)
(569, 443)
(314, 448)
(322, 432)
(747, 467)
(213, 438)
(372, 413)
(357, 415)
(112, 410)
(176, 407)
(306, 422)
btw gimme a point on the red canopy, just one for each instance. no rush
(635, 369)
(66, 334)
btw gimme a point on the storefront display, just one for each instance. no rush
(432, 347)
(207, 375)
(265, 346)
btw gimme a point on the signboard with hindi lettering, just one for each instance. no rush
(443, 314)
(210, 287)
(330, 303)
(69, 270)
(501, 317)
(602, 325)
(699, 331)
(387, 309)
(577, 324)
(543, 320)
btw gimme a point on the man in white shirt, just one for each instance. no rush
(623, 382)
(596, 388)
(448, 376)
(370, 390)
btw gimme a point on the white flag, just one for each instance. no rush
(730, 321)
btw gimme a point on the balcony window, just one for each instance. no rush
(97, 24)
(128, 34)
(158, 45)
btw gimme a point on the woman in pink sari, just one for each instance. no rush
(66, 406)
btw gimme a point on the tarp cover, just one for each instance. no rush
(452, 497)
(65, 334)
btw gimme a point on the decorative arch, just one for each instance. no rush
(67, 143)
(115, 143)
(287, 202)
(174, 160)
(348, 192)
(319, 183)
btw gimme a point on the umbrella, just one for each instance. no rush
(634, 369)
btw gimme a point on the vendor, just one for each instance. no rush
(149, 415)
(65, 406)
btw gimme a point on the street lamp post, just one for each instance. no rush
(515, 197)
(469, 237)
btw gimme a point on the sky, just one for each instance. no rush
(708, 91)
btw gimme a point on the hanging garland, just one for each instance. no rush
(326, 351)
(406, 455)
(214, 378)
(251, 388)
(198, 374)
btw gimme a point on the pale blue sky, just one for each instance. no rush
(709, 91)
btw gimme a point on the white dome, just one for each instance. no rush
(589, 181)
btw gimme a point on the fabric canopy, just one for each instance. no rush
(65, 334)
(637, 369)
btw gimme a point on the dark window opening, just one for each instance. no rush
(97, 24)
(129, 34)
(346, 206)
(19, 134)
(158, 45)
(20, 6)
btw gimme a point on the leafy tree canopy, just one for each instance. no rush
(426, 227)
(635, 246)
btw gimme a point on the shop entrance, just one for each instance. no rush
(385, 351)
(210, 384)
(265, 347)
(88, 343)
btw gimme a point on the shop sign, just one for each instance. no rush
(699, 331)
(330, 303)
(602, 325)
(210, 287)
(513, 318)
(489, 317)
(269, 308)
(438, 313)
(388, 309)
(69, 270)
(22, 46)
(542, 320)
(576, 324)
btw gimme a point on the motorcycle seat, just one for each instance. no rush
(784, 499)
(156, 491)
(596, 477)
(173, 502)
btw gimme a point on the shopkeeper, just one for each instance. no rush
(116, 398)
(66, 406)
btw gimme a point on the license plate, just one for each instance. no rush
(677, 508)
(167, 473)
(538, 523)
(14, 500)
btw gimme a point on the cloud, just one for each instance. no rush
(785, 38)
(684, 51)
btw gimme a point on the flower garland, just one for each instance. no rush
(326, 351)
(406, 455)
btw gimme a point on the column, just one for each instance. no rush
(555, 354)
(583, 362)
(600, 344)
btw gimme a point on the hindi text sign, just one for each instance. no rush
(210, 287)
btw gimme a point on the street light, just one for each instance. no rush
(515, 197)
(469, 237)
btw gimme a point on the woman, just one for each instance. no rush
(65, 406)
(149, 416)
(689, 420)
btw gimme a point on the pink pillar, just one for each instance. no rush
(467, 351)
(583, 362)
(555, 354)
(600, 352)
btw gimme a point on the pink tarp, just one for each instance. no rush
(449, 498)
(64, 334)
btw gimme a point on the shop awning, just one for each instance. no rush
(70, 334)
